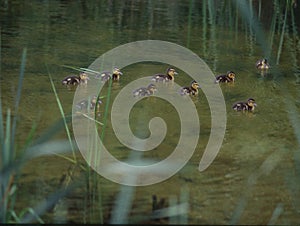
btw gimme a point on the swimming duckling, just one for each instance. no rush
(190, 90)
(169, 76)
(245, 106)
(74, 79)
(106, 75)
(229, 77)
(262, 64)
(145, 91)
(91, 104)
(116, 74)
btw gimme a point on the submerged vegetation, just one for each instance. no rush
(227, 33)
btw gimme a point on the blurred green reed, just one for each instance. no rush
(12, 160)
(64, 119)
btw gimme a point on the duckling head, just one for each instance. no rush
(117, 71)
(251, 102)
(84, 77)
(171, 72)
(231, 75)
(152, 88)
(195, 85)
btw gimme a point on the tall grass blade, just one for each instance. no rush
(46, 205)
(1, 133)
(7, 151)
(204, 27)
(191, 6)
(252, 21)
(18, 96)
(276, 214)
(106, 109)
(62, 114)
(282, 34)
(272, 32)
(71, 67)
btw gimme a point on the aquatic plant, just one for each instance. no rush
(12, 161)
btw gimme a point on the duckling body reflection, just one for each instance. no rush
(228, 77)
(169, 76)
(249, 105)
(75, 80)
(190, 90)
(145, 91)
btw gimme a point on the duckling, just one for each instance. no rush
(262, 64)
(106, 75)
(116, 74)
(245, 106)
(74, 79)
(169, 76)
(145, 91)
(91, 104)
(228, 77)
(190, 90)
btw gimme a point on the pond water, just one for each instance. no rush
(255, 177)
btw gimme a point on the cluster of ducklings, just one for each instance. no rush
(250, 104)
(191, 90)
(83, 78)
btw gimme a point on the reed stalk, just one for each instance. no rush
(282, 34)
(74, 160)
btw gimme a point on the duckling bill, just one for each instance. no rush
(190, 90)
(145, 91)
(228, 77)
(75, 80)
(249, 105)
(169, 76)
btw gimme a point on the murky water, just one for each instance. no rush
(254, 178)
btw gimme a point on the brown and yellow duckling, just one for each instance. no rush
(75, 79)
(249, 105)
(145, 91)
(169, 76)
(106, 75)
(228, 77)
(262, 64)
(190, 90)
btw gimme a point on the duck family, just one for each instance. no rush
(169, 75)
